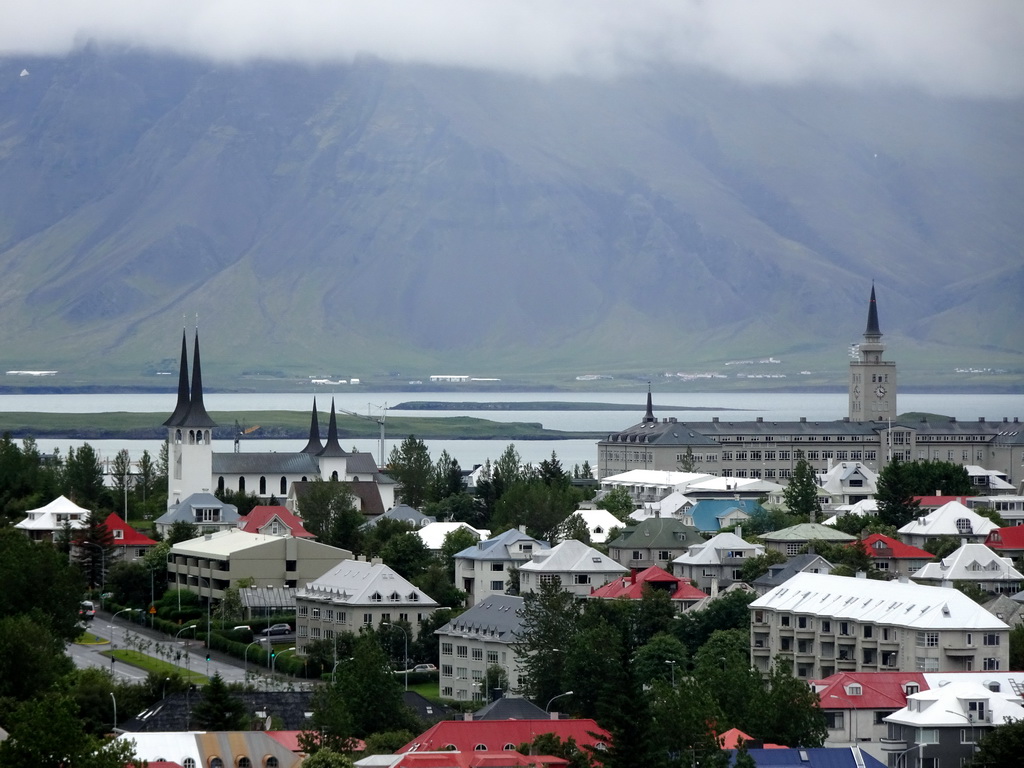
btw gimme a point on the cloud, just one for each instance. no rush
(955, 47)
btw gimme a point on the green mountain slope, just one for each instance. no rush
(373, 217)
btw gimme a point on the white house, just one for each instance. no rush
(599, 522)
(484, 569)
(848, 482)
(717, 562)
(951, 519)
(577, 567)
(975, 564)
(46, 522)
(433, 534)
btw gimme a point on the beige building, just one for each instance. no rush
(210, 564)
(825, 624)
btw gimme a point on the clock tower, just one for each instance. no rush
(872, 379)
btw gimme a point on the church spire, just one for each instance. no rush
(873, 333)
(197, 415)
(649, 416)
(181, 409)
(314, 446)
(332, 447)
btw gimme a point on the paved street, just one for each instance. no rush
(124, 632)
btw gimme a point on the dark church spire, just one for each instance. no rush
(873, 332)
(181, 409)
(649, 416)
(314, 446)
(197, 415)
(333, 447)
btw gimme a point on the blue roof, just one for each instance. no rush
(820, 757)
(497, 547)
(706, 513)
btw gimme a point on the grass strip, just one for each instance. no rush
(158, 667)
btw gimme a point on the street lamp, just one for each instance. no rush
(969, 719)
(245, 656)
(673, 662)
(405, 636)
(188, 665)
(548, 707)
(113, 699)
(111, 625)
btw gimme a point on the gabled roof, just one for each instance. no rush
(1011, 537)
(510, 708)
(129, 536)
(711, 551)
(811, 757)
(731, 740)
(357, 582)
(186, 510)
(500, 547)
(836, 480)
(879, 545)
(265, 462)
(943, 521)
(782, 572)
(877, 690)
(808, 532)
(896, 603)
(262, 516)
(632, 587)
(465, 735)
(572, 556)
(971, 562)
(934, 502)
(657, 533)
(433, 534)
(496, 617)
(45, 518)
(599, 522)
(944, 707)
(403, 513)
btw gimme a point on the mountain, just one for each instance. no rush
(372, 217)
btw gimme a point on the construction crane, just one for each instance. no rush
(241, 431)
(379, 420)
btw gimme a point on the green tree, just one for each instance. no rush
(445, 478)
(407, 554)
(148, 480)
(619, 502)
(856, 525)
(550, 744)
(730, 611)
(550, 620)
(756, 567)
(792, 713)
(1017, 647)
(849, 559)
(181, 530)
(942, 546)
(83, 478)
(688, 463)
(372, 692)
(94, 548)
(894, 494)
(1001, 746)
(425, 645)
(801, 493)
(436, 582)
(219, 709)
(410, 466)
(664, 658)
(129, 581)
(455, 542)
(122, 478)
(331, 725)
(684, 721)
(326, 758)
(540, 507)
(723, 665)
(330, 514)
(32, 659)
(574, 527)
(386, 742)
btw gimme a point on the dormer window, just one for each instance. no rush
(118, 534)
(963, 526)
(376, 597)
(854, 689)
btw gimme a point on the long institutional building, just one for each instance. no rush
(870, 433)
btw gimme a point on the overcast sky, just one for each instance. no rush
(959, 47)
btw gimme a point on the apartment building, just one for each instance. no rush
(485, 568)
(824, 624)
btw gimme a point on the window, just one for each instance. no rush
(368, 619)
(990, 665)
(316, 613)
(581, 578)
(826, 627)
(446, 670)
(927, 735)
(801, 622)
(446, 649)
(462, 651)
(497, 586)
(834, 720)
(216, 762)
(303, 610)
(664, 555)
(270, 762)
(927, 639)
(244, 762)
(793, 548)
(990, 638)
(478, 654)
(844, 628)
(497, 566)
(492, 657)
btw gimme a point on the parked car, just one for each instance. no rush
(424, 668)
(86, 610)
(278, 629)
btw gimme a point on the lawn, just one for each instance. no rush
(157, 666)
(88, 638)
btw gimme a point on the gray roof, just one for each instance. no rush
(266, 462)
(185, 509)
(807, 532)
(658, 533)
(267, 597)
(171, 712)
(498, 617)
(777, 574)
(404, 514)
(511, 708)
(497, 548)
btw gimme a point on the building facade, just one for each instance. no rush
(486, 568)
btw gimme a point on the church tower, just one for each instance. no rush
(872, 379)
(189, 434)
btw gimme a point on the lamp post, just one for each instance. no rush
(899, 754)
(124, 610)
(187, 664)
(673, 663)
(245, 656)
(548, 707)
(114, 699)
(405, 636)
(969, 719)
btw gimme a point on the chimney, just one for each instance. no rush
(981, 419)
(714, 419)
(760, 419)
(738, 530)
(467, 716)
(861, 575)
(803, 419)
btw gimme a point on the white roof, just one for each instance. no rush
(710, 551)
(654, 477)
(747, 484)
(670, 505)
(996, 479)
(942, 522)
(172, 746)
(45, 518)
(896, 603)
(862, 507)
(354, 582)
(223, 543)
(946, 706)
(433, 534)
(572, 556)
(972, 562)
(836, 479)
(596, 519)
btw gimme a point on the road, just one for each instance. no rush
(122, 632)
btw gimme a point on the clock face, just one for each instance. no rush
(856, 390)
(879, 391)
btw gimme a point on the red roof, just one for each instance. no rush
(892, 548)
(731, 740)
(1006, 538)
(934, 502)
(129, 536)
(476, 759)
(495, 735)
(261, 516)
(879, 690)
(631, 587)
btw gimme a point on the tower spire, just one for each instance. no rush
(649, 416)
(197, 415)
(181, 408)
(314, 446)
(872, 333)
(332, 447)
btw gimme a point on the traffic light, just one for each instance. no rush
(207, 656)
(273, 653)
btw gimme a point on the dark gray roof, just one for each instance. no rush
(171, 713)
(782, 572)
(511, 708)
(427, 710)
(664, 432)
(658, 533)
(267, 597)
(497, 548)
(872, 330)
(313, 445)
(405, 514)
(497, 616)
(332, 447)
(265, 462)
(185, 509)
(197, 415)
(363, 463)
(181, 407)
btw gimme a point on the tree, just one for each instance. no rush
(894, 494)
(619, 502)
(551, 744)
(792, 713)
(147, 480)
(849, 559)
(723, 665)
(331, 723)
(129, 581)
(83, 477)
(94, 546)
(436, 582)
(801, 493)
(121, 476)
(1001, 746)
(329, 513)
(372, 693)
(664, 658)
(219, 709)
(731, 611)
(386, 742)
(455, 542)
(325, 758)
(756, 567)
(688, 463)
(445, 478)
(684, 721)
(942, 546)
(575, 527)
(32, 659)
(550, 620)
(410, 465)
(407, 554)
(181, 530)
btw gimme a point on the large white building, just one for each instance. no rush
(577, 567)
(485, 568)
(825, 624)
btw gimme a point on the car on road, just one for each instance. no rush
(278, 629)
(87, 610)
(424, 668)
